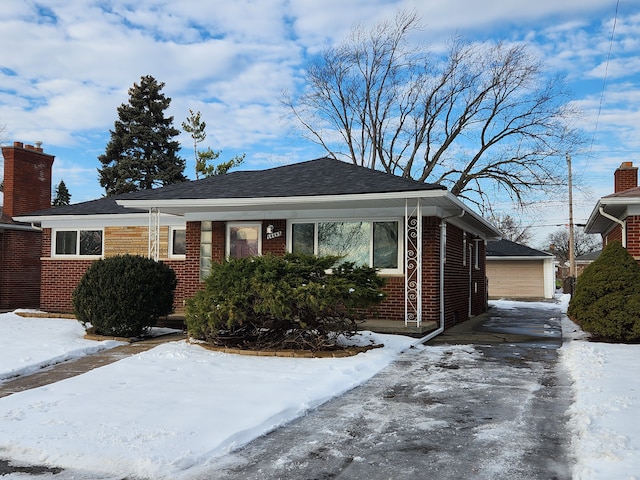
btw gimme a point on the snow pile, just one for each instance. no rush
(604, 416)
(29, 344)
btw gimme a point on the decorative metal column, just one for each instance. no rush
(413, 264)
(154, 233)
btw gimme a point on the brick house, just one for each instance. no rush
(27, 187)
(617, 216)
(425, 241)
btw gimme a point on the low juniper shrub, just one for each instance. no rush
(295, 301)
(124, 295)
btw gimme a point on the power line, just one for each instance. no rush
(604, 80)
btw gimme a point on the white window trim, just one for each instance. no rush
(464, 249)
(230, 225)
(381, 271)
(170, 252)
(77, 254)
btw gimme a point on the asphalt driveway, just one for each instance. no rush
(484, 401)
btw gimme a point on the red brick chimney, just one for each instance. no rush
(625, 177)
(27, 179)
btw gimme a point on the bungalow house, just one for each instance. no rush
(425, 241)
(27, 187)
(518, 271)
(617, 216)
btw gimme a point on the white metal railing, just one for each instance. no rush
(154, 233)
(413, 264)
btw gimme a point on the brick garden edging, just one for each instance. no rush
(347, 352)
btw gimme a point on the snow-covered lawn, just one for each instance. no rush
(27, 344)
(167, 412)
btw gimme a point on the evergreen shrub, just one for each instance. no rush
(289, 302)
(124, 295)
(606, 300)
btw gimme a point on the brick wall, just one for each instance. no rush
(431, 269)
(633, 236)
(456, 277)
(277, 245)
(61, 276)
(479, 281)
(27, 187)
(20, 269)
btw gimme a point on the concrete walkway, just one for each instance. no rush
(72, 368)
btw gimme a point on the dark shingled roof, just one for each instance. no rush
(507, 248)
(101, 206)
(629, 193)
(323, 176)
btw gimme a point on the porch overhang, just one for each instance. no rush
(619, 207)
(440, 203)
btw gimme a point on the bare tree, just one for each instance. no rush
(558, 242)
(483, 120)
(511, 228)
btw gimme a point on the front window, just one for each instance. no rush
(360, 242)
(244, 240)
(78, 242)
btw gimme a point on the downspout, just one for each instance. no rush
(443, 251)
(622, 223)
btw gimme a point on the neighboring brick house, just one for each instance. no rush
(27, 187)
(617, 216)
(519, 272)
(425, 241)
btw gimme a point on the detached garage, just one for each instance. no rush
(519, 272)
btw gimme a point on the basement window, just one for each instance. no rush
(78, 243)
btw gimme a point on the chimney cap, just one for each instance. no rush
(627, 165)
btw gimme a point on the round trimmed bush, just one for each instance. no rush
(606, 300)
(124, 295)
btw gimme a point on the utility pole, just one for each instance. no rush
(572, 255)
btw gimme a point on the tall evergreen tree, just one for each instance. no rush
(141, 153)
(62, 195)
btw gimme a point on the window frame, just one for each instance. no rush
(170, 252)
(383, 271)
(230, 225)
(77, 254)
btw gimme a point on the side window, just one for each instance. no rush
(78, 242)
(303, 238)
(385, 245)
(178, 242)
(244, 240)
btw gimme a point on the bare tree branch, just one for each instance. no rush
(483, 117)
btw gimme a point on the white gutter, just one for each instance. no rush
(13, 226)
(622, 223)
(443, 251)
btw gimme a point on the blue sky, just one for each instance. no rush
(66, 65)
